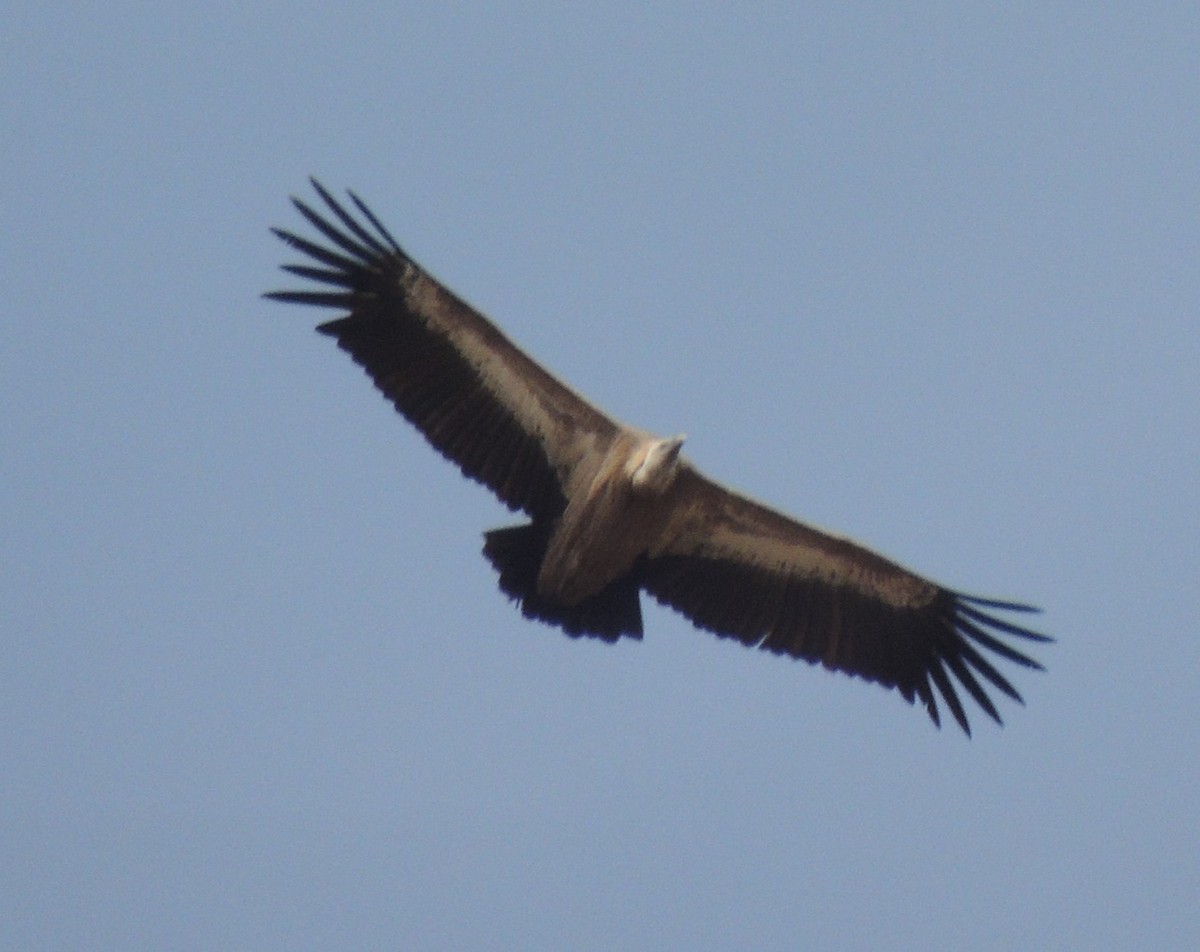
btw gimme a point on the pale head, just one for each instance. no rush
(652, 468)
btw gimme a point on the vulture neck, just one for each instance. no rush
(653, 467)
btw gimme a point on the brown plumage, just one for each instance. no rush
(615, 510)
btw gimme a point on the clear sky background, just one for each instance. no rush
(925, 274)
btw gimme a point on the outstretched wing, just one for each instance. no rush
(475, 396)
(744, 571)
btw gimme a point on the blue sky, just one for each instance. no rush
(926, 275)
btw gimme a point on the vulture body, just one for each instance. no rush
(615, 510)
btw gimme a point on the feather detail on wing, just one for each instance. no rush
(475, 396)
(741, 570)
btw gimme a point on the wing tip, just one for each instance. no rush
(977, 630)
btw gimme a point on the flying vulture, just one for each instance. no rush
(614, 510)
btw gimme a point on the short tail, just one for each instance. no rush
(517, 552)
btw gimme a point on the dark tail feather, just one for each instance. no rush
(516, 553)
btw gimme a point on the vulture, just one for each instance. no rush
(614, 510)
